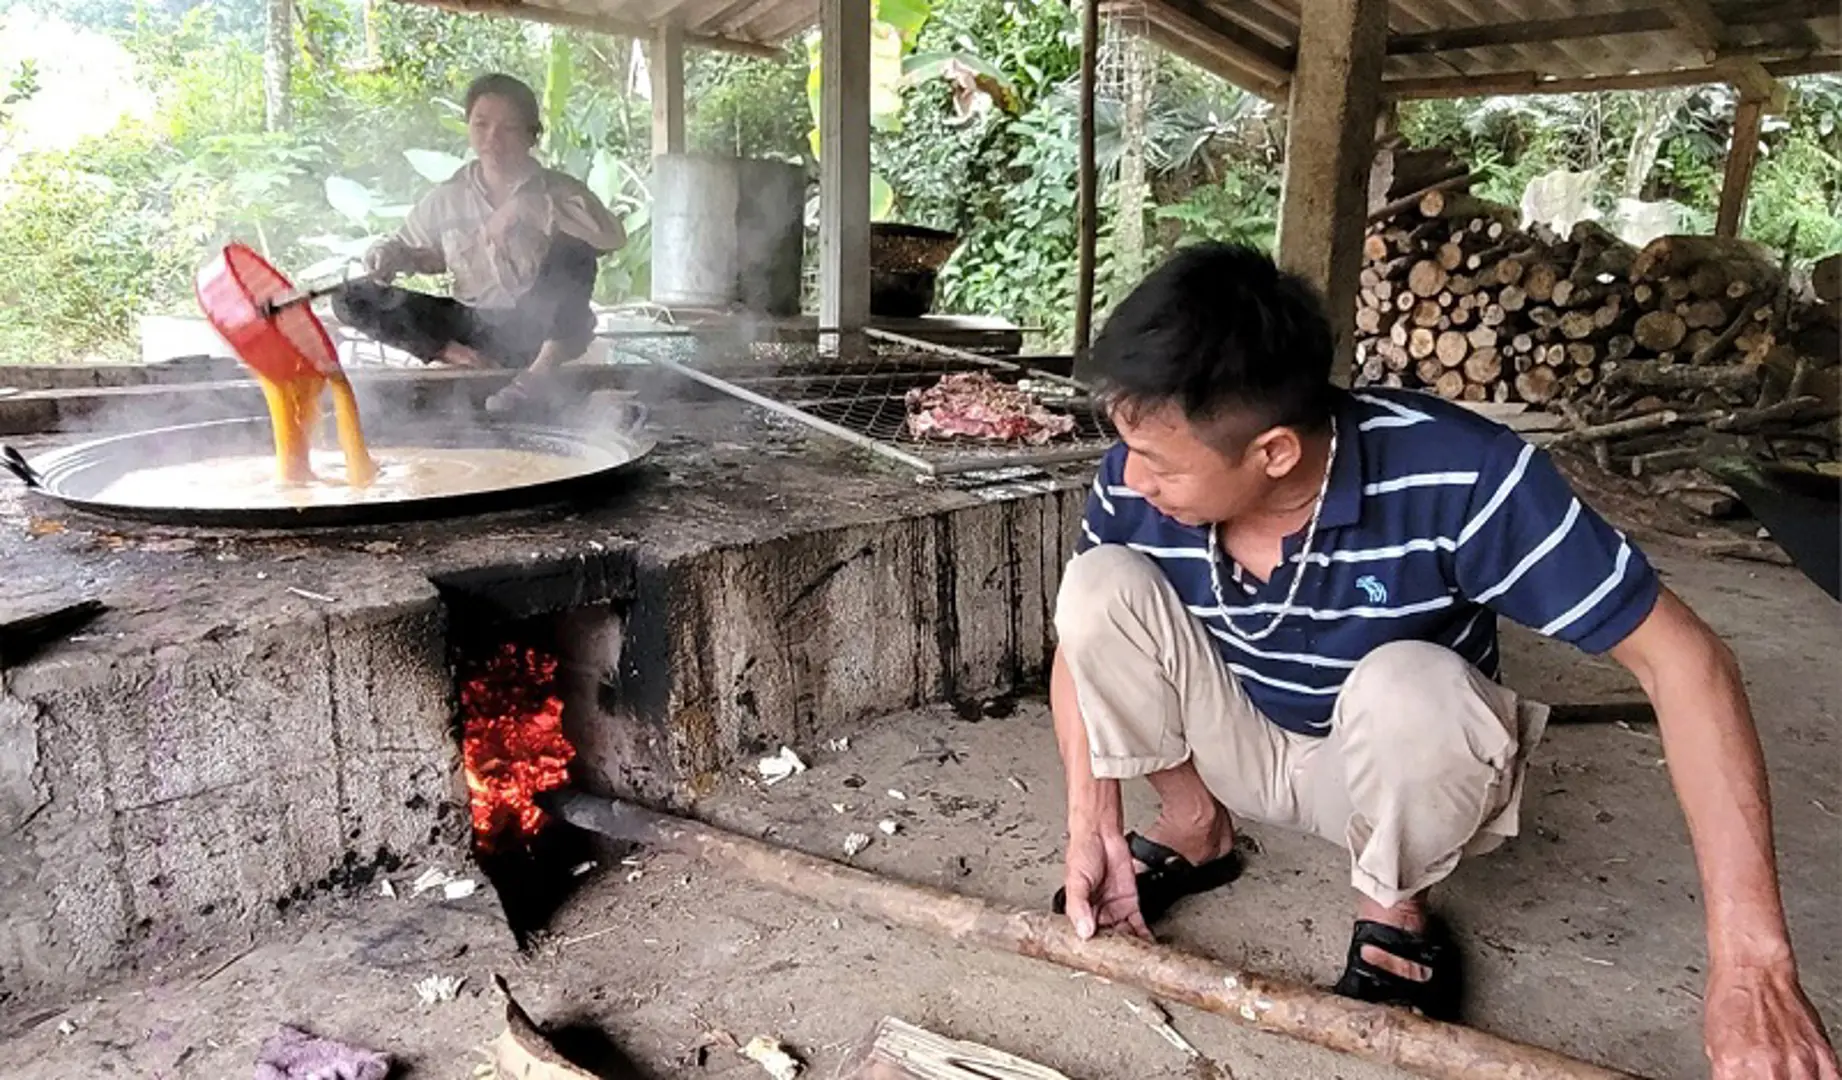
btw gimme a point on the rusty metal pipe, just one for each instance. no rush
(1390, 1036)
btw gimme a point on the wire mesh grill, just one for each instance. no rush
(864, 399)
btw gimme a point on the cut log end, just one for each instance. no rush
(1537, 386)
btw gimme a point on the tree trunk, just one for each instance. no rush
(373, 54)
(1131, 192)
(1656, 113)
(278, 66)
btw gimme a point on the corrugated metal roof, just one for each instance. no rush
(1436, 47)
(1456, 47)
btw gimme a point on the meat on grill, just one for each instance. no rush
(973, 405)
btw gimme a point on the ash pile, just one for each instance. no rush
(1657, 358)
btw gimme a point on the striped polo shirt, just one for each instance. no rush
(1435, 521)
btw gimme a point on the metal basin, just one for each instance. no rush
(79, 476)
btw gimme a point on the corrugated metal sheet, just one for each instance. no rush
(1436, 46)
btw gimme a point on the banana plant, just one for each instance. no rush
(559, 78)
(895, 25)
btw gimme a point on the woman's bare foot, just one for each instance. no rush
(1408, 915)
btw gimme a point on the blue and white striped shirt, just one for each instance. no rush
(1435, 521)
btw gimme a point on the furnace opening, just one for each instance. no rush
(512, 692)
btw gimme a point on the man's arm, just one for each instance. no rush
(1759, 1024)
(1101, 884)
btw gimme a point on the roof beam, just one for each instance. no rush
(1697, 21)
(1642, 21)
(734, 16)
(1754, 83)
(1266, 57)
(1530, 82)
(1212, 59)
(517, 9)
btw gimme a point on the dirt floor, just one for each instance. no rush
(1584, 935)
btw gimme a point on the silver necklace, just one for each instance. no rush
(1304, 557)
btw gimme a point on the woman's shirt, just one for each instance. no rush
(494, 264)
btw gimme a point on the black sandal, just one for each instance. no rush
(1167, 878)
(1436, 998)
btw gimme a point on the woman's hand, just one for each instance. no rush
(386, 259)
(524, 212)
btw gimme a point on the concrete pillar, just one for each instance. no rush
(844, 166)
(1330, 142)
(665, 64)
(1740, 159)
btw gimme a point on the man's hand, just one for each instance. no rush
(1761, 1027)
(1102, 884)
(1758, 1023)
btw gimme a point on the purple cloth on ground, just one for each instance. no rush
(293, 1054)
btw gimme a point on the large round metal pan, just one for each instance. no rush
(75, 476)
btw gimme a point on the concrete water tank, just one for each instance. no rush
(727, 232)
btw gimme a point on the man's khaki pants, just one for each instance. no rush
(1424, 761)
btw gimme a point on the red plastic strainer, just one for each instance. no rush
(234, 289)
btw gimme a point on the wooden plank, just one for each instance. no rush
(1697, 21)
(1741, 156)
(1611, 24)
(734, 16)
(1329, 148)
(665, 67)
(515, 9)
(844, 166)
(1530, 82)
(897, 1050)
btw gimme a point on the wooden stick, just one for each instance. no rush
(1411, 202)
(1679, 378)
(1617, 429)
(1390, 1036)
(1720, 344)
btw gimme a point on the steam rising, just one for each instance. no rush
(751, 244)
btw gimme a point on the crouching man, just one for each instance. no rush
(1283, 610)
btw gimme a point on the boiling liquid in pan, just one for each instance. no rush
(248, 481)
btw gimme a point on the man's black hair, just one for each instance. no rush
(507, 87)
(1226, 336)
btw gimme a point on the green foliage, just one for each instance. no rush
(1020, 258)
(1797, 188)
(974, 132)
(21, 84)
(745, 107)
(84, 233)
(1239, 209)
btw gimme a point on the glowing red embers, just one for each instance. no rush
(286, 345)
(512, 743)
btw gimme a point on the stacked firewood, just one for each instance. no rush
(1732, 359)
(1654, 359)
(1456, 300)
